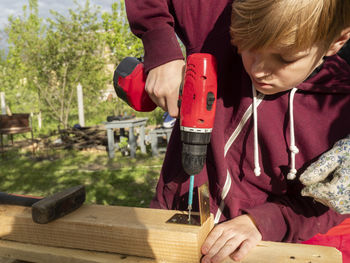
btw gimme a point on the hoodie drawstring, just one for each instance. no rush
(257, 169)
(293, 148)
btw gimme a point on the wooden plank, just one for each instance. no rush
(125, 230)
(266, 252)
(277, 252)
(107, 228)
(43, 254)
(9, 260)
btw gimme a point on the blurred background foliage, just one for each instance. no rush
(47, 59)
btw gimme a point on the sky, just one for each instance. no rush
(13, 7)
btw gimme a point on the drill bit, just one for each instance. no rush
(190, 198)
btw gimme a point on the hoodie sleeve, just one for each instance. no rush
(152, 21)
(294, 218)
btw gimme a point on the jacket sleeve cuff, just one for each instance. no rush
(269, 221)
(161, 46)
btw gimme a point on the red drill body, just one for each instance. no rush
(129, 83)
(197, 110)
(197, 101)
(198, 94)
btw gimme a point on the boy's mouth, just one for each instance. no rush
(260, 84)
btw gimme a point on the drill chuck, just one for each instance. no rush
(194, 151)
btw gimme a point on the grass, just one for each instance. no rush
(120, 181)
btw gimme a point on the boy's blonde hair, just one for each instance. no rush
(287, 24)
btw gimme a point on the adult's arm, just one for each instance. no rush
(153, 23)
(163, 60)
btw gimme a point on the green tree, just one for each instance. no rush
(73, 54)
(53, 59)
(47, 59)
(25, 39)
(119, 38)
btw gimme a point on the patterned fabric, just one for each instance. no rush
(328, 179)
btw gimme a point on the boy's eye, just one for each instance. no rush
(287, 60)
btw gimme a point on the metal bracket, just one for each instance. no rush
(204, 210)
(183, 219)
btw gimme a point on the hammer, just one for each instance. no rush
(47, 209)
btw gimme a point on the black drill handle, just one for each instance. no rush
(8, 199)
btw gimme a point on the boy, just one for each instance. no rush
(281, 45)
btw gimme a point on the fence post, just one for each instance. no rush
(39, 120)
(3, 103)
(3, 112)
(80, 105)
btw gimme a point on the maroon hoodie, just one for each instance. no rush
(321, 117)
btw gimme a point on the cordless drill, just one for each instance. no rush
(197, 102)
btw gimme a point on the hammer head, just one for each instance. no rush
(58, 205)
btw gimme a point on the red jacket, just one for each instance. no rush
(321, 117)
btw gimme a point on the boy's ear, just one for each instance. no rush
(339, 42)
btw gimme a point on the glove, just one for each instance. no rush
(328, 179)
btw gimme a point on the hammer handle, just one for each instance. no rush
(8, 199)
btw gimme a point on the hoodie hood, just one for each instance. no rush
(333, 77)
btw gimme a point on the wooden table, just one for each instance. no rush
(15, 124)
(131, 123)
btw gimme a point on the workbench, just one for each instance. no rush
(130, 124)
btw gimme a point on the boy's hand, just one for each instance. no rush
(328, 179)
(163, 84)
(234, 238)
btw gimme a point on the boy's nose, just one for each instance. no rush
(259, 68)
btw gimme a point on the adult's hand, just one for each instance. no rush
(234, 238)
(328, 179)
(163, 84)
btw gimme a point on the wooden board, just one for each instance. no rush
(43, 254)
(125, 230)
(96, 228)
(277, 252)
(266, 252)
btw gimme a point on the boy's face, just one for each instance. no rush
(273, 71)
